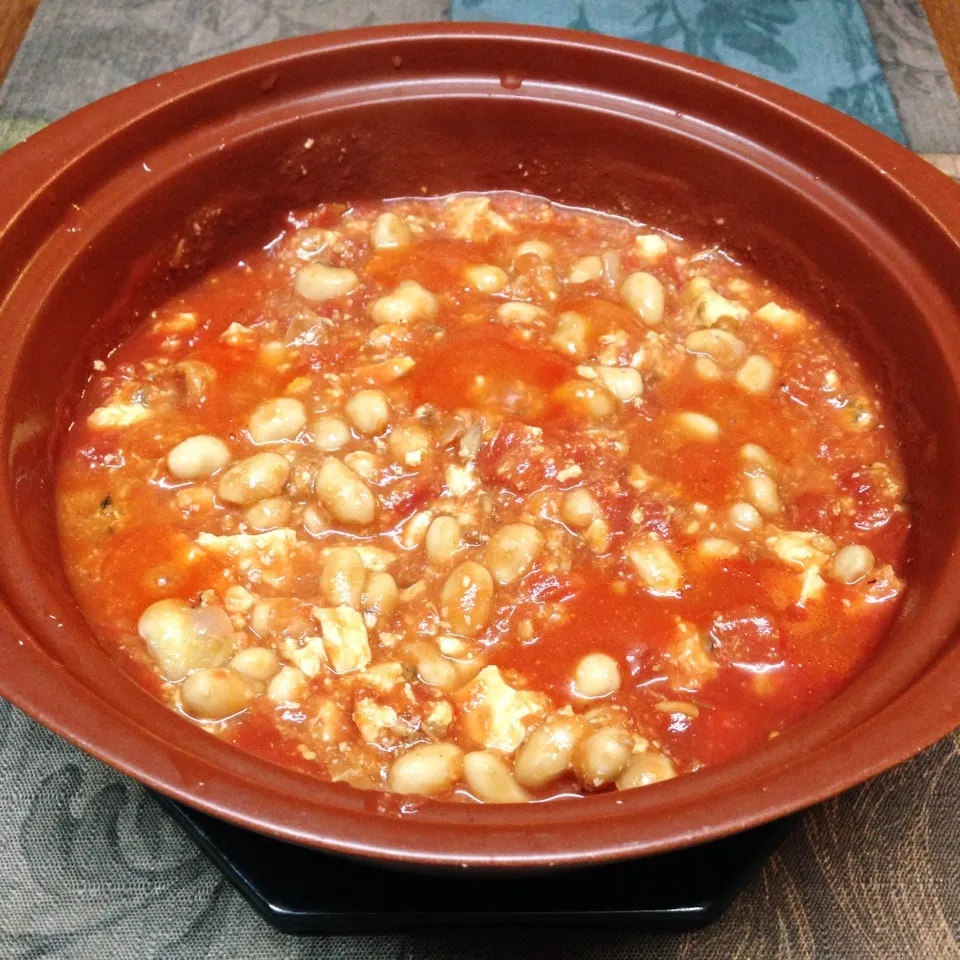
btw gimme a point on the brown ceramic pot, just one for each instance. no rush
(111, 209)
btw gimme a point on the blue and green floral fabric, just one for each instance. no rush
(822, 48)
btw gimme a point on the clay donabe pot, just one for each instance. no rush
(108, 211)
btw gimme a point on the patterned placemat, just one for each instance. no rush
(822, 48)
(91, 867)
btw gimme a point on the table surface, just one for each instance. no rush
(944, 17)
(874, 873)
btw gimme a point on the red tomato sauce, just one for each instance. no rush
(397, 498)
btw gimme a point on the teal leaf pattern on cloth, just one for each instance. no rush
(822, 48)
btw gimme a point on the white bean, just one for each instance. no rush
(287, 687)
(720, 346)
(762, 492)
(587, 398)
(570, 334)
(216, 694)
(443, 541)
(745, 517)
(512, 551)
(547, 752)
(182, 638)
(579, 508)
(656, 564)
(756, 375)
(363, 464)
(596, 675)
(427, 768)
(643, 293)
(754, 454)
(717, 548)
(646, 768)
(269, 514)
(433, 668)
(368, 411)
(409, 443)
(279, 419)
(330, 433)
(344, 494)
(390, 232)
(256, 478)
(624, 383)
(585, 269)
(318, 282)
(489, 779)
(257, 663)
(198, 457)
(536, 248)
(600, 757)
(408, 302)
(343, 577)
(380, 597)
(852, 563)
(698, 426)
(485, 278)
(466, 600)
(706, 369)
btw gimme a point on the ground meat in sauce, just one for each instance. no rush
(481, 497)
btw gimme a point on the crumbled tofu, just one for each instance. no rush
(374, 720)
(637, 477)
(327, 725)
(885, 482)
(375, 559)
(382, 677)
(779, 318)
(438, 720)
(453, 646)
(688, 663)
(459, 480)
(805, 551)
(237, 335)
(258, 556)
(298, 385)
(649, 246)
(569, 473)
(801, 549)
(474, 219)
(117, 415)
(597, 535)
(178, 323)
(707, 307)
(345, 640)
(386, 371)
(498, 715)
(657, 566)
(521, 313)
(308, 654)
(194, 499)
(811, 584)
(717, 548)
(237, 599)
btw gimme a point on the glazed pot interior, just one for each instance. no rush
(136, 218)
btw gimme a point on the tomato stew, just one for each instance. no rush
(485, 498)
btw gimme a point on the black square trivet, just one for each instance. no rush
(300, 890)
